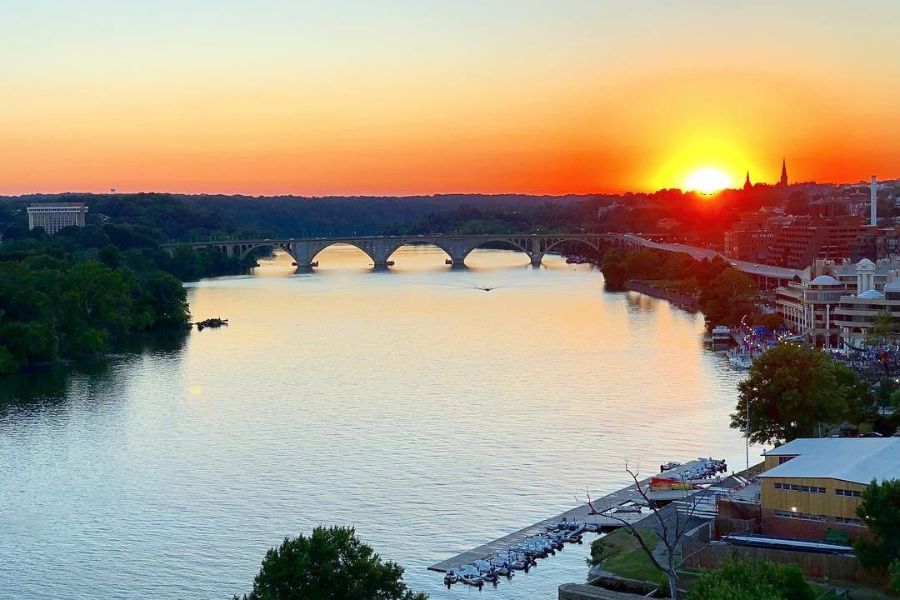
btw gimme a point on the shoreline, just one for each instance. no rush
(684, 301)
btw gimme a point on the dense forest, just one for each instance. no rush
(183, 217)
(81, 292)
(167, 217)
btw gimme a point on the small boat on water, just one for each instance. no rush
(469, 575)
(215, 322)
(669, 466)
(740, 359)
(450, 577)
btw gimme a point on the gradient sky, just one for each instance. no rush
(416, 96)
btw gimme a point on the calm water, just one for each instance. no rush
(430, 414)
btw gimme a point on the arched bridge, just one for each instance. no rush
(380, 248)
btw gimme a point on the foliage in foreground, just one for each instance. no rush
(794, 391)
(752, 579)
(331, 564)
(880, 511)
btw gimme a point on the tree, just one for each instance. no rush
(883, 329)
(895, 575)
(752, 579)
(793, 391)
(728, 297)
(671, 524)
(880, 511)
(330, 564)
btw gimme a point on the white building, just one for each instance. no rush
(833, 304)
(53, 217)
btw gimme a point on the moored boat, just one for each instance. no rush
(740, 359)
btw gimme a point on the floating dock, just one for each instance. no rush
(626, 496)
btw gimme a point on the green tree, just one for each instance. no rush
(329, 564)
(728, 297)
(752, 579)
(613, 267)
(895, 575)
(880, 511)
(794, 391)
(110, 256)
(883, 329)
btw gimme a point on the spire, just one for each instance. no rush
(747, 184)
(784, 177)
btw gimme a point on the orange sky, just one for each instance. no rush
(403, 97)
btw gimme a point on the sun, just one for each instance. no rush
(707, 180)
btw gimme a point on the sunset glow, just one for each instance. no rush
(707, 181)
(403, 97)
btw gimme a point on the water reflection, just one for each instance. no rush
(429, 413)
(54, 384)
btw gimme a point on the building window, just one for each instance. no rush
(849, 521)
(799, 516)
(793, 487)
(849, 493)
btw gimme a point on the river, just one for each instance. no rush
(430, 414)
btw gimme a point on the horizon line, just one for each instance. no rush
(431, 194)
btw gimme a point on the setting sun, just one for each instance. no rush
(707, 180)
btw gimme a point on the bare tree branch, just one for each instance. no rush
(669, 533)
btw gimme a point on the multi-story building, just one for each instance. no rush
(807, 238)
(832, 304)
(877, 243)
(748, 244)
(856, 313)
(812, 487)
(751, 238)
(53, 217)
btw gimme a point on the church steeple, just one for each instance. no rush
(784, 177)
(747, 184)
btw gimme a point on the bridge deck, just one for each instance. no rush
(548, 239)
(579, 513)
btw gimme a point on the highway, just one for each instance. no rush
(757, 270)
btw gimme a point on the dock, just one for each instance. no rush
(593, 522)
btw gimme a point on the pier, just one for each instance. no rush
(593, 522)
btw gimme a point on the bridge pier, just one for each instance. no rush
(379, 249)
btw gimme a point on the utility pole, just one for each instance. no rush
(747, 438)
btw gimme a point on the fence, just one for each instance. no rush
(725, 526)
(709, 556)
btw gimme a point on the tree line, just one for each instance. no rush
(726, 295)
(80, 292)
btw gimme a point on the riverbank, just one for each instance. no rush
(416, 403)
(611, 511)
(685, 301)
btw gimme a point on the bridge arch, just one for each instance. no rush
(445, 248)
(246, 249)
(516, 243)
(579, 240)
(325, 244)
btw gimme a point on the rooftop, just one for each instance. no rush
(824, 280)
(870, 295)
(857, 460)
